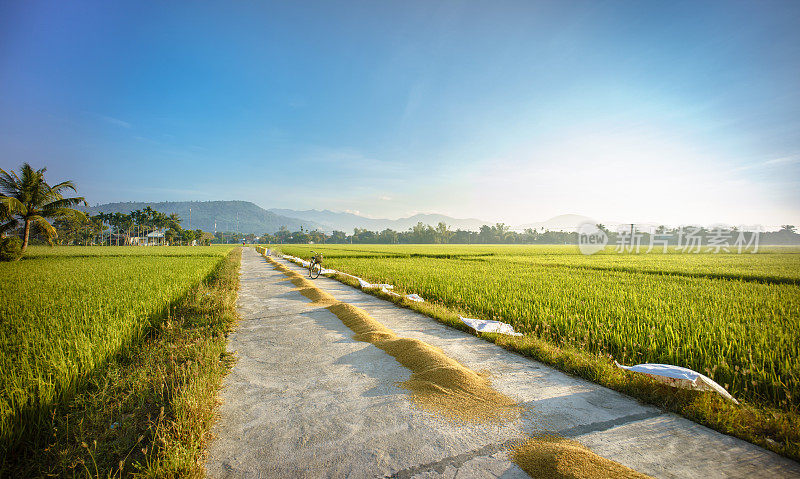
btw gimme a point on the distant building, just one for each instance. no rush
(156, 238)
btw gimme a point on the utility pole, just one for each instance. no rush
(190, 219)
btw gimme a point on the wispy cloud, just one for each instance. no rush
(782, 161)
(353, 160)
(115, 121)
(110, 120)
(144, 139)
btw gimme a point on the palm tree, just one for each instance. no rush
(8, 207)
(136, 222)
(174, 221)
(149, 218)
(38, 200)
(122, 224)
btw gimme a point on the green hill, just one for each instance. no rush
(240, 216)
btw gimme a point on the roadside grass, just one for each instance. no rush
(744, 334)
(146, 410)
(773, 428)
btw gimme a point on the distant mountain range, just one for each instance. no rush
(242, 216)
(246, 217)
(348, 221)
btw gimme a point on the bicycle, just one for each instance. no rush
(315, 265)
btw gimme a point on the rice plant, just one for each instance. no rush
(735, 318)
(63, 311)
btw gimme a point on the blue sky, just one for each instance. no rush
(674, 112)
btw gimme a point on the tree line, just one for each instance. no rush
(117, 229)
(500, 234)
(424, 234)
(31, 208)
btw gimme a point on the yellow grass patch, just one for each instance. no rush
(317, 296)
(559, 458)
(301, 282)
(366, 328)
(438, 382)
(444, 386)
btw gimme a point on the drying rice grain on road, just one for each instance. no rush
(442, 385)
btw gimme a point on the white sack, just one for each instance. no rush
(364, 284)
(679, 377)
(487, 326)
(368, 285)
(392, 293)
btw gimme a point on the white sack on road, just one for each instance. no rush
(364, 284)
(679, 377)
(487, 326)
(392, 293)
(361, 282)
(367, 284)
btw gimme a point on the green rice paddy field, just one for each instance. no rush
(733, 317)
(64, 311)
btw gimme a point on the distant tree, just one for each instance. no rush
(283, 235)
(170, 236)
(318, 236)
(529, 235)
(464, 237)
(149, 219)
(443, 233)
(500, 232)
(172, 227)
(788, 228)
(72, 229)
(485, 234)
(206, 238)
(338, 237)
(10, 248)
(267, 238)
(39, 200)
(124, 223)
(174, 221)
(300, 237)
(96, 226)
(422, 233)
(388, 236)
(603, 228)
(188, 236)
(364, 236)
(136, 222)
(9, 206)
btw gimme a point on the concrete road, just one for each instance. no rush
(306, 400)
